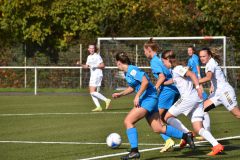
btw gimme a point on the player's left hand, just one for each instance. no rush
(136, 102)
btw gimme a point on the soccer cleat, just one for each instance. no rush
(168, 145)
(98, 109)
(200, 138)
(131, 155)
(189, 140)
(216, 149)
(182, 143)
(108, 101)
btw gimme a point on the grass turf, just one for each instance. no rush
(39, 119)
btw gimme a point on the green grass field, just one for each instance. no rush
(62, 127)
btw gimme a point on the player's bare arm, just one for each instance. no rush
(161, 79)
(195, 82)
(123, 93)
(168, 82)
(207, 78)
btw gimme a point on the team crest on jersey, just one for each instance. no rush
(133, 72)
(182, 70)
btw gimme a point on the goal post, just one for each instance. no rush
(222, 45)
(223, 38)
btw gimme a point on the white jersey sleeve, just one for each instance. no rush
(183, 84)
(218, 78)
(181, 70)
(210, 66)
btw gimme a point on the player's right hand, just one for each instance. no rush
(116, 95)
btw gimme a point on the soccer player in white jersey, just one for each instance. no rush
(95, 63)
(223, 92)
(194, 65)
(190, 101)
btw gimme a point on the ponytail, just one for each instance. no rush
(152, 44)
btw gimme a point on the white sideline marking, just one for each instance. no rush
(81, 113)
(89, 143)
(44, 114)
(151, 149)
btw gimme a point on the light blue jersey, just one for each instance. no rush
(193, 62)
(168, 93)
(148, 99)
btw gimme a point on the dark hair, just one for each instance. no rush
(214, 55)
(193, 48)
(168, 54)
(95, 46)
(123, 57)
(152, 44)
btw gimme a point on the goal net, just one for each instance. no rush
(134, 47)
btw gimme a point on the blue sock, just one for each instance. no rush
(173, 132)
(132, 137)
(205, 96)
(165, 137)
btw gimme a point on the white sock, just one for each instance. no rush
(99, 96)
(208, 136)
(206, 121)
(177, 124)
(95, 100)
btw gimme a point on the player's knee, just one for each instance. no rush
(210, 107)
(236, 112)
(128, 123)
(237, 115)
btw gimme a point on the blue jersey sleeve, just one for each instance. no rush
(137, 74)
(156, 66)
(196, 60)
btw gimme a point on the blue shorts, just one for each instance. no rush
(167, 98)
(149, 103)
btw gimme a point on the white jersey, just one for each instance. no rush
(218, 79)
(188, 103)
(93, 61)
(183, 84)
(223, 91)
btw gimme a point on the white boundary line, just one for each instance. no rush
(81, 113)
(110, 155)
(73, 143)
(151, 149)
(44, 114)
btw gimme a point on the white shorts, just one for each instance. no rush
(197, 113)
(185, 106)
(95, 81)
(225, 96)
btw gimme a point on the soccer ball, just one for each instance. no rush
(113, 140)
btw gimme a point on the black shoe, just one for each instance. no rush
(131, 155)
(189, 140)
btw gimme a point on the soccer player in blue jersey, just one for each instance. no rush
(169, 94)
(194, 66)
(145, 106)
